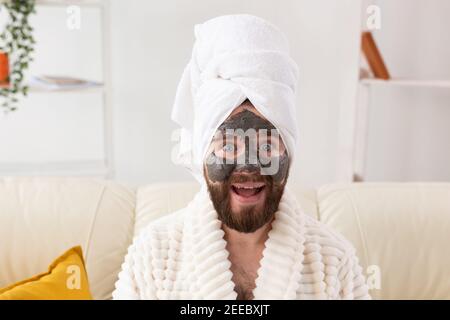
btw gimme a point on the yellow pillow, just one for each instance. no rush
(66, 279)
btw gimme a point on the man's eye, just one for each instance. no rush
(266, 147)
(228, 148)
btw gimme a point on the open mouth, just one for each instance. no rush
(248, 191)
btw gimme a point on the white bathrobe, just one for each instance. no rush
(184, 256)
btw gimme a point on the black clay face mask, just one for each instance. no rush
(247, 142)
(246, 150)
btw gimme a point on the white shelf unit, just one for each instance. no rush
(353, 143)
(407, 82)
(354, 112)
(36, 89)
(98, 168)
(81, 3)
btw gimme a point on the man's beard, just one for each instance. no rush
(252, 217)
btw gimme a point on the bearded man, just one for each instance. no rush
(244, 235)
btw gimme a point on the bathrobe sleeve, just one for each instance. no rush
(353, 283)
(126, 285)
(135, 280)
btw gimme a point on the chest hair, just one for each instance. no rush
(244, 283)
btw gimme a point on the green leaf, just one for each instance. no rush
(17, 40)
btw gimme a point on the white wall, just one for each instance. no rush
(152, 42)
(409, 134)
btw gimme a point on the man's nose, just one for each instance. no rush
(248, 168)
(251, 150)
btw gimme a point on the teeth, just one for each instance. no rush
(244, 187)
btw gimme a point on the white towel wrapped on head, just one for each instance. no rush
(234, 58)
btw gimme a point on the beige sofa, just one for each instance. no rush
(401, 230)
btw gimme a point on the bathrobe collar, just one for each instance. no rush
(280, 267)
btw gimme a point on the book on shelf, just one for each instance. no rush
(50, 82)
(373, 56)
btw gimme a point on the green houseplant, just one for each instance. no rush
(16, 41)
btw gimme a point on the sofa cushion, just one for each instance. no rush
(398, 229)
(41, 217)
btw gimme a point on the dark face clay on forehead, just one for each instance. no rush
(246, 120)
(219, 171)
